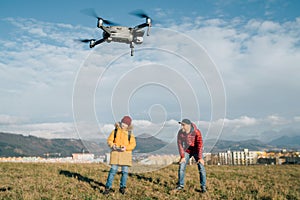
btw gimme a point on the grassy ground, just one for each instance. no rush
(86, 181)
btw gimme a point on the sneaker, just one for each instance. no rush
(122, 190)
(107, 191)
(178, 188)
(203, 189)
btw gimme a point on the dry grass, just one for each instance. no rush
(86, 181)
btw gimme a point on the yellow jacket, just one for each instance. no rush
(121, 139)
(121, 157)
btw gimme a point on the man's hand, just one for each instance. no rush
(201, 161)
(182, 160)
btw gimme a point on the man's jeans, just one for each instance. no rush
(182, 168)
(112, 172)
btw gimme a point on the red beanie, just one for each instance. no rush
(126, 120)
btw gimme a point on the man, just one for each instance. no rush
(122, 142)
(190, 144)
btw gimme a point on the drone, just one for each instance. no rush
(112, 32)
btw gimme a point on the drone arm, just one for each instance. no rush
(105, 29)
(144, 25)
(141, 26)
(100, 41)
(93, 43)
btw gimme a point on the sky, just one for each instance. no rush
(231, 67)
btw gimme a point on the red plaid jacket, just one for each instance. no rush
(191, 143)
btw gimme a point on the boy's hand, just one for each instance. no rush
(123, 148)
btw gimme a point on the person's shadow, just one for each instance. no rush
(94, 184)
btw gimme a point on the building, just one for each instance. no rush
(244, 157)
(107, 158)
(83, 156)
(225, 158)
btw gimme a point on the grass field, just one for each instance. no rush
(86, 181)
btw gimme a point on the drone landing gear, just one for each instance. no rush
(131, 51)
(131, 48)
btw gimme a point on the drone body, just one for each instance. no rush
(121, 34)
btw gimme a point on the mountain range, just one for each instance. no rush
(20, 145)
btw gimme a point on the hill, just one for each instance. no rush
(287, 142)
(252, 145)
(146, 143)
(19, 145)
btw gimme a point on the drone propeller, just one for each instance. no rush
(142, 14)
(139, 13)
(85, 40)
(93, 42)
(91, 12)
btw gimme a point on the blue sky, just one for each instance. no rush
(254, 53)
(69, 11)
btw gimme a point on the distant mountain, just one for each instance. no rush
(146, 143)
(252, 145)
(19, 145)
(287, 142)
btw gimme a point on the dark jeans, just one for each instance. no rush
(182, 168)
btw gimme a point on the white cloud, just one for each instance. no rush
(297, 118)
(172, 122)
(44, 130)
(277, 120)
(240, 122)
(241, 128)
(258, 61)
(142, 123)
(38, 69)
(107, 128)
(8, 120)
